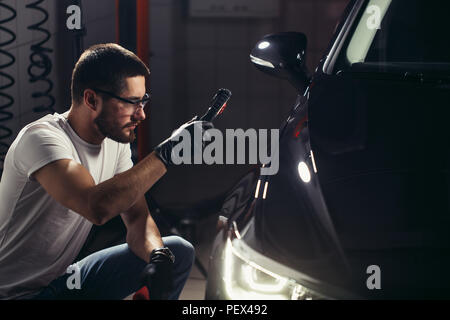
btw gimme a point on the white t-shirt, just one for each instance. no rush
(40, 238)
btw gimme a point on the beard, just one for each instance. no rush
(110, 129)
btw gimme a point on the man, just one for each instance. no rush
(66, 172)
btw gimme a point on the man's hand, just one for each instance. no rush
(157, 275)
(164, 149)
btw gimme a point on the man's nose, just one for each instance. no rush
(140, 114)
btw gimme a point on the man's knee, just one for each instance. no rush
(183, 250)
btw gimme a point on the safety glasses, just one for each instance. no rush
(141, 103)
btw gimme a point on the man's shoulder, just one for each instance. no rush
(50, 123)
(53, 122)
(38, 143)
(48, 130)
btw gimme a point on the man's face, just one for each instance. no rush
(117, 119)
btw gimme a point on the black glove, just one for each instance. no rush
(164, 149)
(157, 275)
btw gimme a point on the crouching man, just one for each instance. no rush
(66, 172)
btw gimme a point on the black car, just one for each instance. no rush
(360, 205)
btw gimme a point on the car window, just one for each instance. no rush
(393, 31)
(366, 30)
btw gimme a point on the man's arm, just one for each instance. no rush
(71, 184)
(142, 233)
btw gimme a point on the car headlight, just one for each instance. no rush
(245, 280)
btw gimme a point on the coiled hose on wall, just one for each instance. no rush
(6, 100)
(40, 62)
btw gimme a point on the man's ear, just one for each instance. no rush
(90, 99)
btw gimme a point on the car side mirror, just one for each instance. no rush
(283, 55)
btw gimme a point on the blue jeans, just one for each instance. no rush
(114, 273)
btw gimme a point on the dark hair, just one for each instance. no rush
(105, 66)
